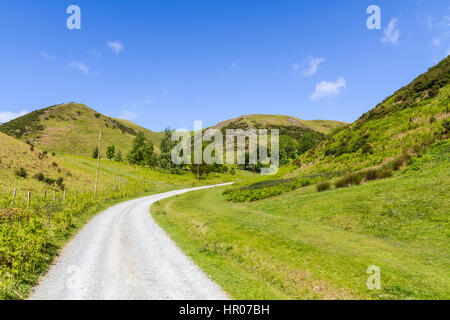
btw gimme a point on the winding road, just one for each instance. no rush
(122, 254)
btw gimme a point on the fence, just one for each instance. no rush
(26, 196)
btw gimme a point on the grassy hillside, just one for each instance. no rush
(294, 242)
(266, 120)
(410, 120)
(311, 245)
(61, 201)
(74, 129)
(296, 136)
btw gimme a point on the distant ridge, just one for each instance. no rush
(74, 128)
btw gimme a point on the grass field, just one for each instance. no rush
(31, 234)
(311, 245)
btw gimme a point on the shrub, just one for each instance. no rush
(371, 174)
(396, 163)
(95, 153)
(323, 186)
(60, 184)
(54, 164)
(21, 172)
(49, 181)
(384, 173)
(39, 176)
(264, 189)
(446, 125)
(352, 179)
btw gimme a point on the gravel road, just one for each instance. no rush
(122, 254)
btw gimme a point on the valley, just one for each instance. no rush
(347, 196)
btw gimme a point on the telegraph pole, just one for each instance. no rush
(98, 161)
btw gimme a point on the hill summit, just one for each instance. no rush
(74, 128)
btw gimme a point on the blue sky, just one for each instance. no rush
(168, 63)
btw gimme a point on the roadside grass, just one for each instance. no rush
(369, 142)
(31, 234)
(31, 237)
(311, 245)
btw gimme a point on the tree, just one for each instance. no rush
(118, 156)
(165, 157)
(142, 152)
(110, 152)
(95, 153)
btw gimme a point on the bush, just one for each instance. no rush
(352, 179)
(49, 181)
(446, 125)
(384, 173)
(396, 163)
(60, 184)
(371, 174)
(380, 173)
(264, 190)
(323, 186)
(54, 164)
(21, 172)
(39, 176)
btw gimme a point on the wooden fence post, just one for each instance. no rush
(14, 195)
(29, 198)
(54, 195)
(64, 195)
(45, 194)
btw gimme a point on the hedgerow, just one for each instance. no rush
(266, 189)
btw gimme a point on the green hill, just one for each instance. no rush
(294, 242)
(74, 129)
(266, 120)
(409, 121)
(296, 136)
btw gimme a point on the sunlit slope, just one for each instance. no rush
(266, 121)
(74, 129)
(410, 120)
(318, 245)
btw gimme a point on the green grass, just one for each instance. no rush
(31, 235)
(30, 238)
(311, 245)
(410, 120)
(74, 128)
(265, 120)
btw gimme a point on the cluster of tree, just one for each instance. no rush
(111, 154)
(144, 153)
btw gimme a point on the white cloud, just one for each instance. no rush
(6, 116)
(80, 66)
(46, 56)
(95, 53)
(391, 33)
(311, 66)
(295, 67)
(115, 46)
(436, 42)
(328, 89)
(148, 101)
(235, 66)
